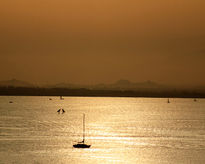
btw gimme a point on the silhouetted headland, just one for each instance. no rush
(122, 88)
(36, 91)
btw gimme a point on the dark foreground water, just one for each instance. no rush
(120, 130)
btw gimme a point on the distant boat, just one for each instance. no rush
(10, 101)
(195, 100)
(82, 143)
(168, 101)
(62, 111)
(61, 98)
(50, 98)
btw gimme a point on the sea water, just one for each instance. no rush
(120, 130)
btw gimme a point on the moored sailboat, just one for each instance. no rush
(82, 143)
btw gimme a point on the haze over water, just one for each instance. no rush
(120, 130)
(91, 42)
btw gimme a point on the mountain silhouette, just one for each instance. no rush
(121, 88)
(118, 85)
(15, 83)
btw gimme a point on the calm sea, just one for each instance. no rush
(120, 130)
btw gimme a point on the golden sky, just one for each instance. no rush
(101, 41)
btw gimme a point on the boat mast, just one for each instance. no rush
(83, 127)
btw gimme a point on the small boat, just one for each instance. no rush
(168, 101)
(195, 100)
(82, 143)
(10, 102)
(50, 98)
(61, 98)
(62, 111)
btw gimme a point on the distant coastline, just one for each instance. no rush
(40, 91)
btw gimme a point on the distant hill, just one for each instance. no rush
(66, 85)
(127, 85)
(119, 85)
(121, 88)
(15, 83)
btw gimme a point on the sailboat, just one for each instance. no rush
(82, 143)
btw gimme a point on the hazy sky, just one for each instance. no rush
(94, 41)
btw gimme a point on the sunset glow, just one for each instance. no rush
(91, 41)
